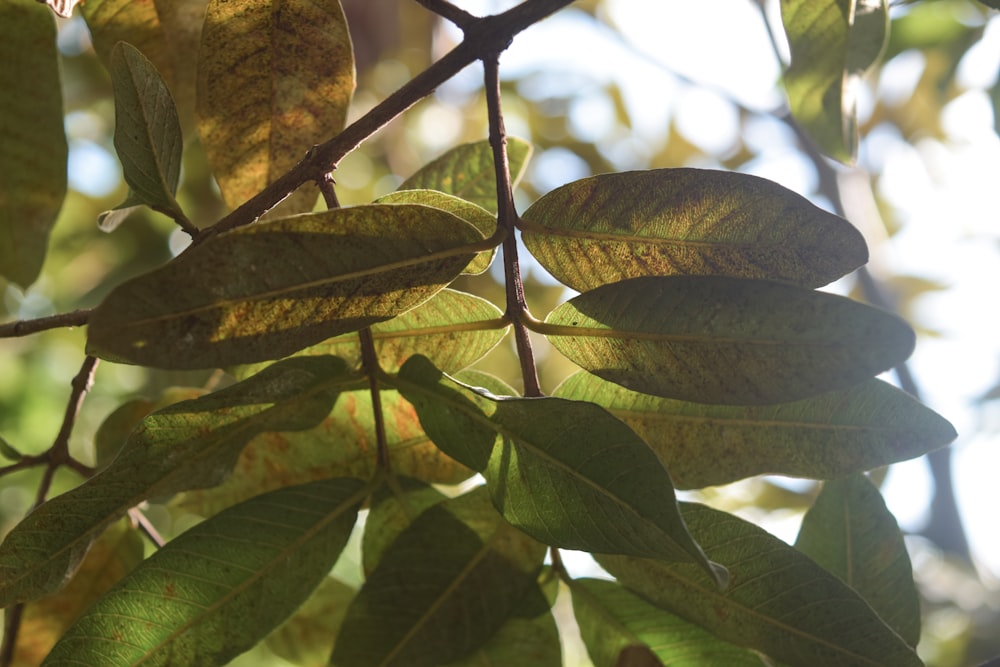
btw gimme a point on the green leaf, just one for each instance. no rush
(529, 638)
(114, 554)
(832, 43)
(341, 445)
(392, 511)
(474, 214)
(837, 433)
(452, 329)
(851, 533)
(147, 133)
(467, 172)
(612, 227)
(443, 587)
(219, 588)
(267, 290)
(779, 601)
(612, 618)
(274, 78)
(308, 637)
(561, 471)
(8, 451)
(188, 445)
(33, 158)
(726, 340)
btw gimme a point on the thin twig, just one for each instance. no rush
(445, 9)
(517, 307)
(369, 357)
(75, 318)
(488, 35)
(12, 623)
(329, 193)
(140, 519)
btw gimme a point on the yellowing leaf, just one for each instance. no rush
(726, 340)
(834, 434)
(211, 593)
(275, 77)
(268, 290)
(612, 227)
(32, 141)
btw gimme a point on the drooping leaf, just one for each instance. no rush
(779, 601)
(834, 434)
(724, 340)
(307, 638)
(341, 445)
(267, 290)
(612, 618)
(275, 77)
(559, 470)
(851, 533)
(393, 509)
(611, 227)
(219, 588)
(114, 554)
(34, 150)
(452, 329)
(443, 587)
(188, 445)
(832, 43)
(147, 134)
(467, 172)
(474, 214)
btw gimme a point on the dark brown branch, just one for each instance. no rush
(488, 35)
(445, 9)
(75, 318)
(12, 623)
(517, 308)
(369, 357)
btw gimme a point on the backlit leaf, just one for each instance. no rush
(32, 140)
(866, 426)
(851, 533)
(467, 172)
(832, 42)
(611, 227)
(726, 340)
(443, 587)
(612, 618)
(778, 602)
(307, 638)
(561, 471)
(216, 590)
(267, 290)
(115, 553)
(275, 77)
(393, 509)
(188, 445)
(147, 133)
(474, 214)
(341, 445)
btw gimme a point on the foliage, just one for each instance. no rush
(340, 350)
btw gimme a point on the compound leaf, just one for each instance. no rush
(219, 588)
(270, 289)
(851, 533)
(779, 601)
(188, 445)
(713, 339)
(612, 227)
(834, 434)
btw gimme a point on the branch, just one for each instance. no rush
(485, 36)
(445, 9)
(75, 318)
(517, 308)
